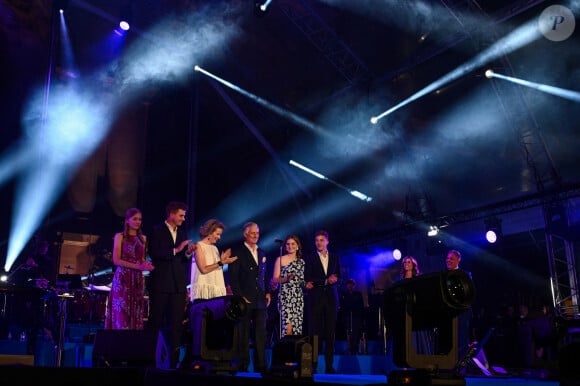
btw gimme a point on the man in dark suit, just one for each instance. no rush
(321, 274)
(169, 250)
(247, 277)
(452, 261)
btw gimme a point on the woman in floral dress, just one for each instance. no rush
(289, 273)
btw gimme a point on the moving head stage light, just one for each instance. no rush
(421, 316)
(215, 332)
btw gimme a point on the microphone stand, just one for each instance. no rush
(281, 333)
(63, 299)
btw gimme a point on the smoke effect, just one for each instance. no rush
(171, 49)
(418, 17)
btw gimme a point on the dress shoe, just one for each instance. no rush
(330, 370)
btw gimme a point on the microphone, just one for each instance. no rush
(278, 241)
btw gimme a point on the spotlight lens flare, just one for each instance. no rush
(124, 26)
(491, 237)
(489, 74)
(374, 120)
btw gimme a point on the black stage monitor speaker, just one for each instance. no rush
(294, 355)
(130, 348)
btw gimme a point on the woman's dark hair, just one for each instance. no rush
(295, 238)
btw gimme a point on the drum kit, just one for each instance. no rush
(40, 302)
(89, 301)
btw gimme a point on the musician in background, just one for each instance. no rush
(352, 311)
(34, 277)
(38, 270)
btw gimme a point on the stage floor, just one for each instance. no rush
(29, 375)
(76, 368)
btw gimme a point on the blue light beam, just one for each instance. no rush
(557, 91)
(520, 37)
(270, 106)
(354, 193)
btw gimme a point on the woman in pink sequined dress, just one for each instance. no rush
(126, 299)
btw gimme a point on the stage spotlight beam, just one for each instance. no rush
(298, 120)
(264, 6)
(354, 193)
(308, 170)
(515, 40)
(560, 92)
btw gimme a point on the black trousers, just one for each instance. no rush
(166, 311)
(323, 315)
(252, 325)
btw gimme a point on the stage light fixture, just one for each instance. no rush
(429, 304)
(493, 229)
(124, 25)
(399, 248)
(433, 231)
(215, 326)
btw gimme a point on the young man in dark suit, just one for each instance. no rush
(247, 278)
(321, 274)
(452, 261)
(169, 250)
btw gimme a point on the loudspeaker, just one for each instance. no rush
(130, 348)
